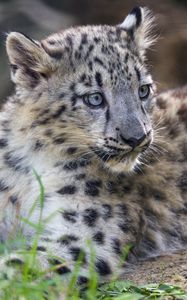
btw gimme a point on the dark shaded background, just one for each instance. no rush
(38, 18)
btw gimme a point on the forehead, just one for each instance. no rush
(107, 48)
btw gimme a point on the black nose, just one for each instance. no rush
(133, 142)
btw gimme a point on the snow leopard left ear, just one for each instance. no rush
(28, 60)
(139, 24)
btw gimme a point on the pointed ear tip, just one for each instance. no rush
(133, 18)
(141, 11)
(15, 35)
(135, 10)
(12, 36)
(138, 15)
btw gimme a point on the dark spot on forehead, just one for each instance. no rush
(84, 38)
(72, 86)
(83, 77)
(112, 49)
(90, 65)
(69, 41)
(99, 61)
(77, 55)
(74, 100)
(137, 73)
(105, 50)
(90, 49)
(98, 79)
(97, 40)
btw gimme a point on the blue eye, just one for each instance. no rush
(144, 91)
(95, 100)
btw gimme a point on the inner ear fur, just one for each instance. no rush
(26, 53)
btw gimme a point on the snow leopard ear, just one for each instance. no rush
(139, 24)
(28, 60)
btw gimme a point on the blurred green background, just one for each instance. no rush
(38, 18)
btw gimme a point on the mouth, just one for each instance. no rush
(107, 155)
(119, 160)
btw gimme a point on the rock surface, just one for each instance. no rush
(169, 269)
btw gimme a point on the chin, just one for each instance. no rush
(126, 166)
(118, 163)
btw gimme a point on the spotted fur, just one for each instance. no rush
(92, 161)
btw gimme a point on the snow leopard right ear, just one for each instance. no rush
(139, 24)
(28, 60)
